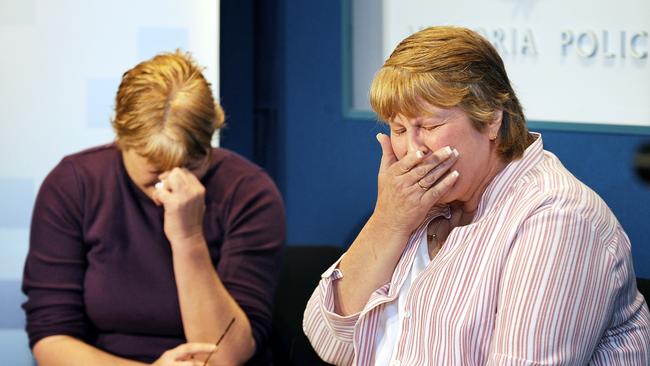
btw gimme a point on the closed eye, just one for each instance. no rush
(151, 183)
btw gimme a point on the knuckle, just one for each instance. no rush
(438, 159)
(435, 194)
(428, 180)
(400, 169)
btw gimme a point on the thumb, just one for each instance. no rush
(161, 196)
(388, 157)
(187, 351)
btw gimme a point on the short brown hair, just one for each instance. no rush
(165, 111)
(448, 67)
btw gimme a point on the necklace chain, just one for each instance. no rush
(436, 234)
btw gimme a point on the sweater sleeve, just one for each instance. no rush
(53, 278)
(250, 257)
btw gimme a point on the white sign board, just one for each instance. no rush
(579, 61)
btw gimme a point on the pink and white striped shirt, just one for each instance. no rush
(542, 276)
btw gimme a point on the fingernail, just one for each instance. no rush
(160, 185)
(419, 154)
(447, 151)
(377, 137)
(454, 174)
(455, 152)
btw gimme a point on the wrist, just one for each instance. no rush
(388, 226)
(188, 244)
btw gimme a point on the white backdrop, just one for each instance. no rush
(579, 61)
(61, 64)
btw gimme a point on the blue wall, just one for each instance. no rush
(328, 164)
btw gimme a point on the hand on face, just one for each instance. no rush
(409, 187)
(183, 198)
(184, 355)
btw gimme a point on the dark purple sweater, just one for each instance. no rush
(99, 266)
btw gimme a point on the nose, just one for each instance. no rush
(415, 142)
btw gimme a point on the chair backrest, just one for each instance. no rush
(299, 276)
(643, 284)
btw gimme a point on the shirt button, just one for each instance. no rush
(407, 314)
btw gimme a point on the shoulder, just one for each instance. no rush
(560, 193)
(231, 169)
(230, 174)
(64, 188)
(93, 156)
(233, 162)
(228, 161)
(81, 175)
(88, 162)
(95, 161)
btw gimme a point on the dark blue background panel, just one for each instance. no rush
(326, 164)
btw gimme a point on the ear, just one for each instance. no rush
(494, 125)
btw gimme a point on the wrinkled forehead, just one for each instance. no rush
(425, 111)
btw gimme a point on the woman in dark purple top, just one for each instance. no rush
(143, 251)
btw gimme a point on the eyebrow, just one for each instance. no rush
(420, 121)
(441, 117)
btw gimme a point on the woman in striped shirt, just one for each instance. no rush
(482, 248)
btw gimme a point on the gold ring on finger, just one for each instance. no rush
(423, 187)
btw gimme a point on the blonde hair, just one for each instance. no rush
(165, 111)
(448, 67)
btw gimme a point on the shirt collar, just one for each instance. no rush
(499, 187)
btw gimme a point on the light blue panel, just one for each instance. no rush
(100, 101)
(14, 250)
(11, 314)
(154, 40)
(17, 12)
(15, 348)
(16, 201)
